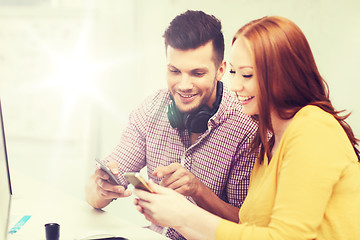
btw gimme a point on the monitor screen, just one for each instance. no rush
(5, 185)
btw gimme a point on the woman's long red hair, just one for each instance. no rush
(287, 75)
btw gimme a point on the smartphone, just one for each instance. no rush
(108, 171)
(137, 181)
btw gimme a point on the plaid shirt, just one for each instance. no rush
(220, 157)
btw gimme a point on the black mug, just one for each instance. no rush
(52, 231)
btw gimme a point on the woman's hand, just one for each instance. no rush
(165, 207)
(168, 208)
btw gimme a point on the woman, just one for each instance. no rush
(306, 181)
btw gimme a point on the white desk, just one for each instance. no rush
(75, 217)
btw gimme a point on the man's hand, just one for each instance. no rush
(178, 178)
(100, 190)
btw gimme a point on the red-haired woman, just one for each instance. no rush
(306, 181)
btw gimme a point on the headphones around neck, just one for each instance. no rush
(195, 122)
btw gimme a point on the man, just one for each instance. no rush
(193, 137)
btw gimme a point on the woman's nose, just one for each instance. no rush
(236, 85)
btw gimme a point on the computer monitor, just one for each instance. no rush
(5, 184)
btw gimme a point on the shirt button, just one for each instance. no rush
(182, 160)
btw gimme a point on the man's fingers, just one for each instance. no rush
(107, 194)
(113, 167)
(173, 180)
(101, 174)
(111, 194)
(108, 190)
(183, 189)
(162, 171)
(109, 187)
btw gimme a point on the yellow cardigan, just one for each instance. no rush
(310, 189)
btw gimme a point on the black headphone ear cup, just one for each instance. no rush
(197, 122)
(175, 116)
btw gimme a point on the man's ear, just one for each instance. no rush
(221, 71)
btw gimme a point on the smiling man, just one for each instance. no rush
(193, 137)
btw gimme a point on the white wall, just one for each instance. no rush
(56, 123)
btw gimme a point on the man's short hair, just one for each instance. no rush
(193, 29)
